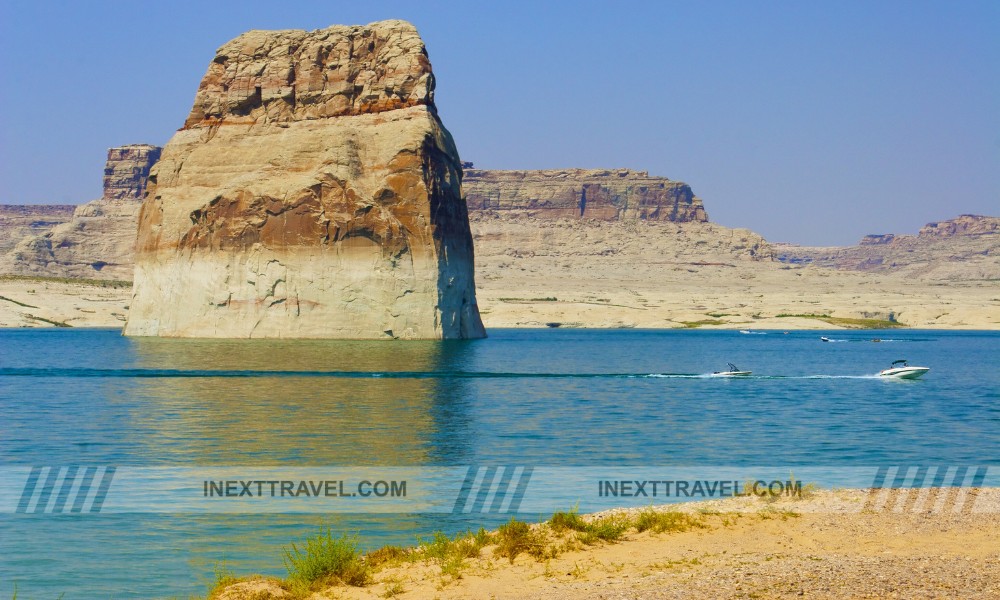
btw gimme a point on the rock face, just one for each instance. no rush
(97, 243)
(99, 240)
(20, 220)
(964, 225)
(964, 248)
(606, 195)
(127, 171)
(313, 192)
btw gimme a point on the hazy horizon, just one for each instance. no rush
(807, 123)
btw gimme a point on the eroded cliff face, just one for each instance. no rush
(601, 194)
(18, 221)
(964, 248)
(98, 241)
(126, 172)
(313, 192)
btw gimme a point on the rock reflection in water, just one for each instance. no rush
(313, 419)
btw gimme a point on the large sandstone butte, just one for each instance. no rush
(312, 192)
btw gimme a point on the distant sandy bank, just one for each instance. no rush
(704, 300)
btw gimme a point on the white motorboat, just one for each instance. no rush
(733, 371)
(901, 370)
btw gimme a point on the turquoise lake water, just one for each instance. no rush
(559, 397)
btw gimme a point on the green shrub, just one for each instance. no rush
(325, 557)
(515, 537)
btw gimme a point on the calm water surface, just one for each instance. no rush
(538, 397)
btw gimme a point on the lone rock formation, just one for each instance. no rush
(312, 192)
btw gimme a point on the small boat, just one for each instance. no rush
(824, 339)
(901, 370)
(733, 371)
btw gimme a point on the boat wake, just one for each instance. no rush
(81, 373)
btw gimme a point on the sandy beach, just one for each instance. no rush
(832, 544)
(42, 302)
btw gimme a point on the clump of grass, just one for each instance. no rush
(847, 322)
(770, 512)
(450, 553)
(384, 555)
(464, 545)
(808, 491)
(801, 492)
(570, 520)
(545, 299)
(607, 529)
(49, 321)
(516, 537)
(325, 558)
(665, 522)
(695, 324)
(223, 575)
(112, 283)
(393, 587)
(16, 302)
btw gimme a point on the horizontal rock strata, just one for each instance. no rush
(601, 194)
(18, 221)
(126, 172)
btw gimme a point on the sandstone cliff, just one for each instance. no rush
(18, 221)
(600, 194)
(313, 192)
(127, 171)
(99, 240)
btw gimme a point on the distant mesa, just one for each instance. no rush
(126, 173)
(312, 192)
(877, 239)
(601, 194)
(963, 248)
(962, 225)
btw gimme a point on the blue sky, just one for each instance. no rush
(808, 122)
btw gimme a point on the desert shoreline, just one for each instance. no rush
(855, 543)
(51, 302)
